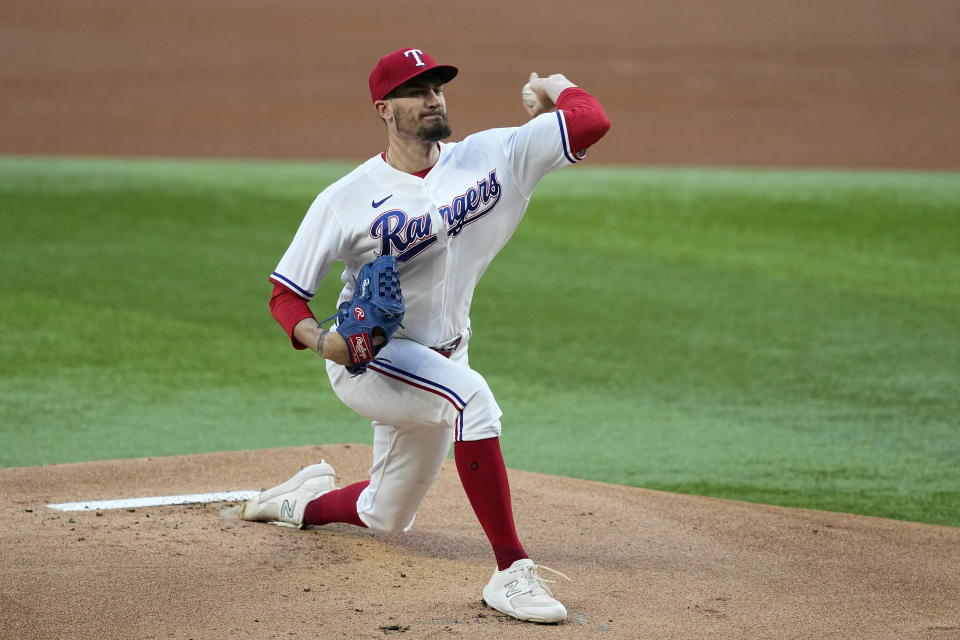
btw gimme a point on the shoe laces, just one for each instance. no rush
(537, 582)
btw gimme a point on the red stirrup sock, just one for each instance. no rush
(339, 505)
(484, 479)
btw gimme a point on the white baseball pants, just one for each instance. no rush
(420, 402)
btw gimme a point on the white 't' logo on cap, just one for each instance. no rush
(416, 53)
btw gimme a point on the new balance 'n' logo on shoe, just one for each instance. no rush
(286, 502)
(519, 591)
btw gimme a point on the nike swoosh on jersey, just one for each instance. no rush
(377, 203)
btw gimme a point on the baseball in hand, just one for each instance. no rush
(528, 96)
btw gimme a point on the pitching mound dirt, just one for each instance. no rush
(644, 564)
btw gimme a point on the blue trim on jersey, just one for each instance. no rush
(286, 281)
(563, 138)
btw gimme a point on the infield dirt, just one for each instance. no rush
(774, 83)
(644, 564)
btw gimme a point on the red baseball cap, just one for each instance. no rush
(396, 68)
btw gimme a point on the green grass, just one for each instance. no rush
(786, 337)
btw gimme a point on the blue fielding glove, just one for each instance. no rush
(377, 308)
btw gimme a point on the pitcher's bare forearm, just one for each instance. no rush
(329, 344)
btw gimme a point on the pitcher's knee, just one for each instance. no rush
(480, 418)
(391, 505)
(389, 522)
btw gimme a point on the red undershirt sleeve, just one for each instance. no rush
(289, 309)
(585, 118)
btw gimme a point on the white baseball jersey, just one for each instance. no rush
(443, 229)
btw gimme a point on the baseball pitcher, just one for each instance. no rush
(415, 227)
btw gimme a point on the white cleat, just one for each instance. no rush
(520, 592)
(286, 502)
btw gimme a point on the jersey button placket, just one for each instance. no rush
(444, 242)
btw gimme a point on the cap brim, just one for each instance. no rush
(446, 72)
